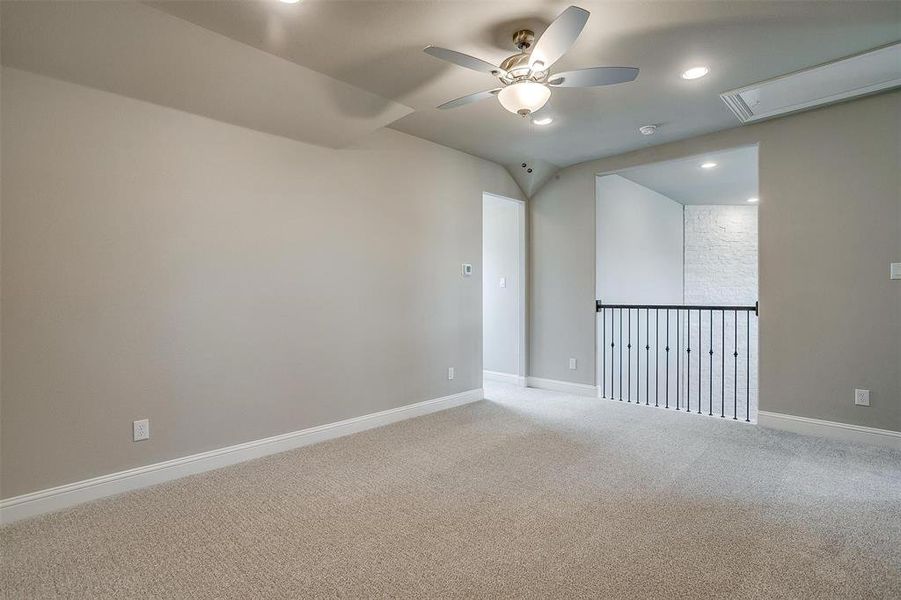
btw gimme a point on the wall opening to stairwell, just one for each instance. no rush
(676, 260)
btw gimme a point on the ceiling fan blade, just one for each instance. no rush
(469, 99)
(464, 60)
(593, 77)
(558, 38)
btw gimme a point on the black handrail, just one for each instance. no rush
(711, 316)
(755, 309)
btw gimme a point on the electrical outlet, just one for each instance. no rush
(572, 364)
(896, 271)
(141, 430)
(450, 372)
(862, 397)
(467, 269)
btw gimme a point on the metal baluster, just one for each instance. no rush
(612, 393)
(638, 356)
(723, 382)
(700, 366)
(647, 356)
(688, 362)
(666, 390)
(710, 397)
(748, 368)
(656, 357)
(603, 354)
(735, 377)
(629, 356)
(620, 355)
(678, 353)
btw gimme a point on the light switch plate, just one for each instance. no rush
(503, 282)
(862, 397)
(572, 364)
(450, 373)
(467, 269)
(896, 270)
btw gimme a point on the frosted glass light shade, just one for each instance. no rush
(524, 97)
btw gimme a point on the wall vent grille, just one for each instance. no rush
(873, 71)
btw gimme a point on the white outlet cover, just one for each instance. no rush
(862, 397)
(141, 430)
(896, 271)
(572, 364)
(503, 282)
(450, 372)
(467, 269)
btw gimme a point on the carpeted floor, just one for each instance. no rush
(531, 494)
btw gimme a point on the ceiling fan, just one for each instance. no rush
(525, 77)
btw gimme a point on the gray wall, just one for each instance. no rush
(225, 283)
(830, 224)
(501, 316)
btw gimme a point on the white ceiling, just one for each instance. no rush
(378, 47)
(732, 181)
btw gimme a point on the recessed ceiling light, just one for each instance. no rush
(290, 1)
(708, 165)
(753, 200)
(695, 73)
(648, 129)
(543, 121)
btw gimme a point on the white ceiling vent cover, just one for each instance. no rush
(866, 73)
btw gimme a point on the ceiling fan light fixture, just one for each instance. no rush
(524, 97)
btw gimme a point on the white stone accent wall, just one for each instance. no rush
(721, 269)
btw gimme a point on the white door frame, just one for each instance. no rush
(520, 299)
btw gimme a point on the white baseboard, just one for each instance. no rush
(830, 429)
(64, 496)
(577, 389)
(504, 378)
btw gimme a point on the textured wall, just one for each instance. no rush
(721, 268)
(720, 254)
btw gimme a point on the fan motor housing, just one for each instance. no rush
(517, 69)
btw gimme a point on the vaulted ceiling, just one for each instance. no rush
(376, 48)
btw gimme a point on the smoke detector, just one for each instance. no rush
(648, 129)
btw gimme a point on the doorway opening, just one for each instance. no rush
(503, 289)
(677, 256)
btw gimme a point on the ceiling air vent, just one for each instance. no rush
(858, 75)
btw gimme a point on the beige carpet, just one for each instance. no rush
(530, 495)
